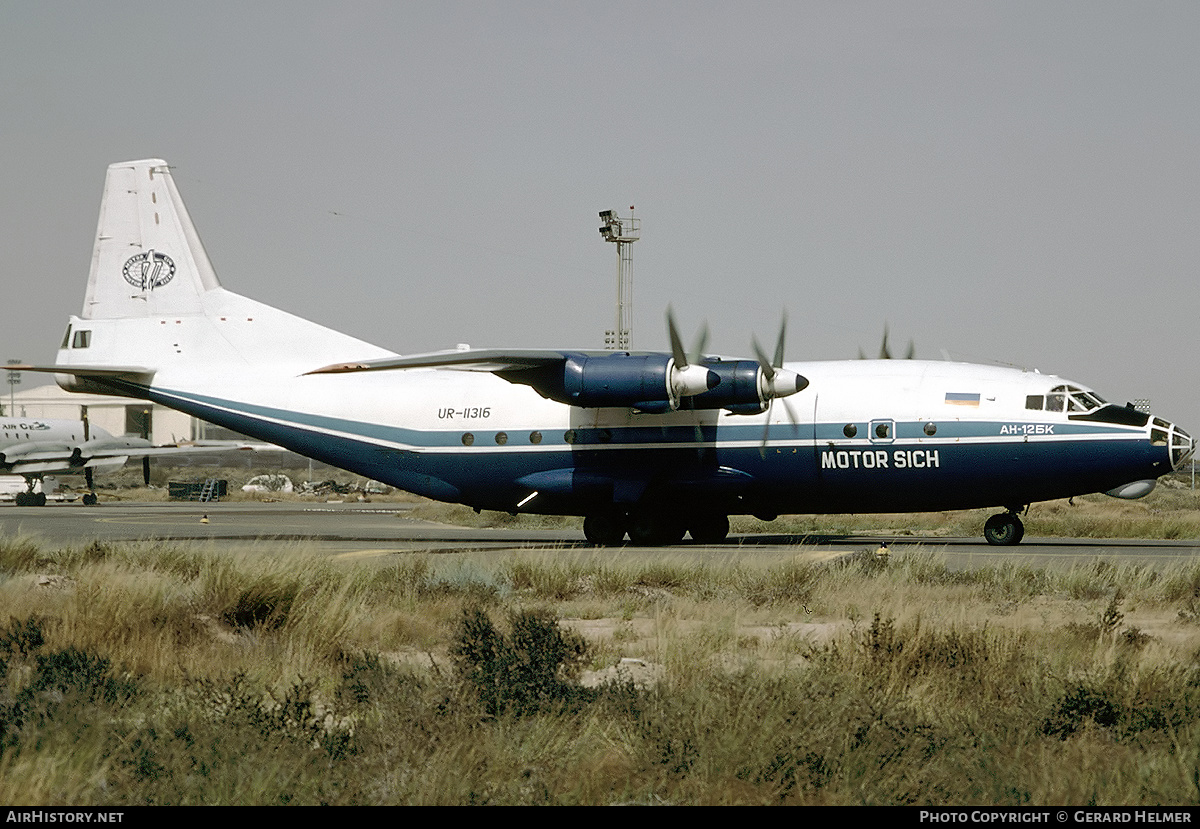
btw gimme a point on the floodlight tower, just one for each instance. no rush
(14, 380)
(624, 232)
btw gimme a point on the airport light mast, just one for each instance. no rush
(14, 380)
(624, 232)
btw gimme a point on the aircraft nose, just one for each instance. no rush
(1181, 444)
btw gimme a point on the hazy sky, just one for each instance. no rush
(1013, 182)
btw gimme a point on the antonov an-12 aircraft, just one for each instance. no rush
(649, 445)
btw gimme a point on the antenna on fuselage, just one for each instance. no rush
(624, 232)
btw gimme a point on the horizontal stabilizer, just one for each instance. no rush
(130, 374)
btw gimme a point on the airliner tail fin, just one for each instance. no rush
(154, 302)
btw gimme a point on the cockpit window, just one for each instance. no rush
(1068, 399)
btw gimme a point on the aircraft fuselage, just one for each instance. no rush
(877, 436)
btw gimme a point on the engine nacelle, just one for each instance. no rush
(638, 380)
(739, 389)
(653, 383)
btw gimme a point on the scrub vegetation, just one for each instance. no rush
(160, 674)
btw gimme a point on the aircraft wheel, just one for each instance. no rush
(1004, 530)
(89, 498)
(39, 499)
(653, 530)
(22, 499)
(709, 529)
(604, 529)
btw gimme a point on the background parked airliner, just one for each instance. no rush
(33, 447)
(36, 447)
(653, 445)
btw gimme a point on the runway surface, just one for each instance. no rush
(378, 530)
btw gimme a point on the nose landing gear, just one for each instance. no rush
(1005, 529)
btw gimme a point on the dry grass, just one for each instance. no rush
(185, 675)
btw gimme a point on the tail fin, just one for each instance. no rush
(146, 239)
(154, 304)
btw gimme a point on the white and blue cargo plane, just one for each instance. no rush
(649, 445)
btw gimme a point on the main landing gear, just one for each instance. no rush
(31, 499)
(1005, 529)
(648, 528)
(33, 495)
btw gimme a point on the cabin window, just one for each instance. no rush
(501, 438)
(535, 437)
(850, 430)
(1035, 402)
(569, 436)
(468, 439)
(881, 431)
(82, 339)
(931, 429)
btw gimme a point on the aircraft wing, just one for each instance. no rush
(476, 359)
(648, 381)
(39, 458)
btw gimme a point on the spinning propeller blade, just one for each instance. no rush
(779, 382)
(687, 378)
(885, 351)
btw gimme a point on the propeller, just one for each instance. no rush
(697, 352)
(689, 361)
(885, 353)
(687, 378)
(777, 382)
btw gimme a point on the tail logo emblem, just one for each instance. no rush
(149, 270)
